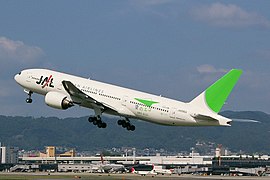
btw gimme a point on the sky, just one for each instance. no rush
(166, 47)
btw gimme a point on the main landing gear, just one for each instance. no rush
(125, 123)
(29, 99)
(96, 120)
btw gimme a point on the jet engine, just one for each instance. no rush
(57, 100)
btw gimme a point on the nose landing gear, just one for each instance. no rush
(29, 99)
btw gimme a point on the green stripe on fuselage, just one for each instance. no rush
(146, 102)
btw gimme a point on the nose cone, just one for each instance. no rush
(17, 78)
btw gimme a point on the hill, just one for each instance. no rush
(35, 133)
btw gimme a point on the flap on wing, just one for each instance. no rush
(74, 91)
(204, 117)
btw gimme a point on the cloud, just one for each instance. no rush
(18, 52)
(209, 69)
(230, 15)
(207, 74)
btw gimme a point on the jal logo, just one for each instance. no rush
(46, 81)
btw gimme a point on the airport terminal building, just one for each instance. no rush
(194, 163)
(179, 164)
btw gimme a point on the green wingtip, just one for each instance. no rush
(218, 92)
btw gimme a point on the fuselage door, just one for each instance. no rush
(172, 112)
(124, 100)
(28, 77)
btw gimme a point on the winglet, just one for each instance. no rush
(215, 96)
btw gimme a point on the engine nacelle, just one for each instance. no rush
(57, 100)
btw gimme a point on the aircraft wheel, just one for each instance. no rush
(129, 127)
(29, 100)
(132, 127)
(120, 122)
(99, 124)
(124, 124)
(103, 125)
(95, 122)
(91, 119)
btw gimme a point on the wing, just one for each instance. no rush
(77, 93)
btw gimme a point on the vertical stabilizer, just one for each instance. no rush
(214, 97)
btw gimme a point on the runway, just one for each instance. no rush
(95, 176)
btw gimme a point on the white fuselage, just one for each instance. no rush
(123, 100)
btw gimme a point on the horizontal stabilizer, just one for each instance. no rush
(204, 117)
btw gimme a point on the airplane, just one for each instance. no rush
(111, 167)
(62, 91)
(162, 171)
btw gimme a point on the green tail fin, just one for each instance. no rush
(217, 93)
